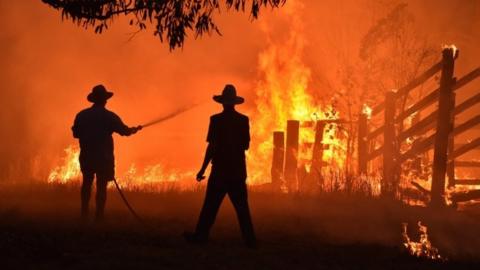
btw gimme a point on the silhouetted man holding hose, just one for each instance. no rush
(94, 127)
(228, 138)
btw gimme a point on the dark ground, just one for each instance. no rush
(39, 229)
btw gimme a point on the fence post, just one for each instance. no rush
(278, 158)
(291, 154)
(362, 144)
(417, 163)
(444, 127)
(317, 155)
(451, 147)
(390, 176)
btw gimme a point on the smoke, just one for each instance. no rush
(169, 116)
(49, 66)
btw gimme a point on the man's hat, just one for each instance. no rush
(99, 93)
(229, 96)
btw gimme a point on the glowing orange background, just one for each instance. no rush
(48, 67)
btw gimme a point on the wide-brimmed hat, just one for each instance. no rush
(99, 93)
(229, 96)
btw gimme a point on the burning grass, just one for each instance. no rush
(156, 178)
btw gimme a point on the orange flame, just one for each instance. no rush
(70, 170)
(367, 110)
(155, 177)
(283, 94)
(423, 248)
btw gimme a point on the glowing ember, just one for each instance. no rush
(423, 248)
(452, 47)
(367, 111)
(335, 150)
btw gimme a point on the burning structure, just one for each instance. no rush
(392, 149)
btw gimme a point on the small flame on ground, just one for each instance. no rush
(423, 248)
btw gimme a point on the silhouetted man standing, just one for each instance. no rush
(94, 127)
(228, 138)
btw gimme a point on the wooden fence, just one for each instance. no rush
(440, 121)
(442, 140)
(286, 152)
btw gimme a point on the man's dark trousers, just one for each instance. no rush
(216, 191)
(101, 195)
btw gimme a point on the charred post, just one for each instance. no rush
(444, 128)
(317, 154)
(390, 176)
(451, 146)
(362, 143)
(278, 158)
(291, 154)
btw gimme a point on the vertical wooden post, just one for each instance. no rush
(317, 154)
(362, 143)
(291, 154)
(390, 176)
(417, 162)
(444, 127)
(278, 158)
(451, 146)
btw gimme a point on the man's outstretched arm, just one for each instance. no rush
(122, 129)
(206, 161)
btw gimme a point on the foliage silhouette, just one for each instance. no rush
(172, 18)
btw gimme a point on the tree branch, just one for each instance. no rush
(173, 19)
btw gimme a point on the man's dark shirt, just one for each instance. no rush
(229, 136)
(94, 127)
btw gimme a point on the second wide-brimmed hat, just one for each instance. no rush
(99, 94)
(229, 96)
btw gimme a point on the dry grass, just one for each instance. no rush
(39, 229)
